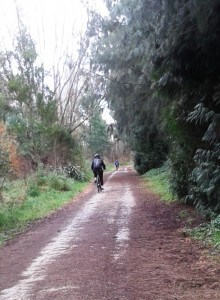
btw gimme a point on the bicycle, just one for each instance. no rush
(98, 183)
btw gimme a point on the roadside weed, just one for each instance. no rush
(208, 233)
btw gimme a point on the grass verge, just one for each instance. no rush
(24, 202)
(157, 181)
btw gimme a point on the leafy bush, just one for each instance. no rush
(216, 222)
(59, 183)
(70, 171)
(180, 163)
(141, 163)
(146, 161)
(205, 180)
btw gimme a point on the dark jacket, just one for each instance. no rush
(98, 164)
(116, 163)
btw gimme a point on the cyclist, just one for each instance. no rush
(98, 165)
(116, 164)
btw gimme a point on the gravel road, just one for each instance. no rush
(120, 244)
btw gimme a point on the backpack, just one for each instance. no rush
(97, 164)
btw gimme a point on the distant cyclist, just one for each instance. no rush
(98, 166)
(117, 164)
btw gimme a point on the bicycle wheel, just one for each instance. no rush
(98, 183)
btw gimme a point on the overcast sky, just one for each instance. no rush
(50, 22)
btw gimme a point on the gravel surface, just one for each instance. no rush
(123, 243)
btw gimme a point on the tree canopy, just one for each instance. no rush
(161, 64)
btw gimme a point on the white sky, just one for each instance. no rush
(50, 22)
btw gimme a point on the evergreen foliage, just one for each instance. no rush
(161, 62)
(121, 54)
(192, 63)
(97, 136)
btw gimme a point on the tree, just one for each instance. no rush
(122, 52)
(30, 99)
(31, 111)
(97, 138)
(77, 93)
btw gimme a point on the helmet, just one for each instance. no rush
(97, 155)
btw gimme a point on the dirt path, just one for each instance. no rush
(120, 244)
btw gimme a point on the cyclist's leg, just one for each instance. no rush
(101, 180)
(98, 182)
(101, 177)
(95, 175)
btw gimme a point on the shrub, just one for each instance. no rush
(144, 162)
(216, 222)
(59, 183)
(205, 179)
